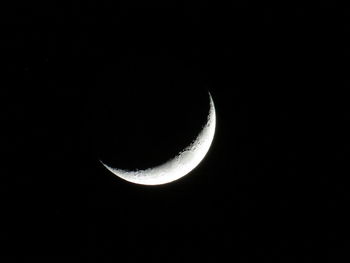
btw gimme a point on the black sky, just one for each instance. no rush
(130, 85)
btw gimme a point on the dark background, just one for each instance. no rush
(129, 85)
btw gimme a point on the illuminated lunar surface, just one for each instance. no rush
(180, 165)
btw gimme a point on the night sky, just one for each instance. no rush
(129, 85)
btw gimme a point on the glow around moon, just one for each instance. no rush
(180, 165)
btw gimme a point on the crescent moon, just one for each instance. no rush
(180, 165)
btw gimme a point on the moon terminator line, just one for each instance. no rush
(181, 165)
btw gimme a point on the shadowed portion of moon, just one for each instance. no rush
(177, 167)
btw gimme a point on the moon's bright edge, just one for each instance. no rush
(181, 165)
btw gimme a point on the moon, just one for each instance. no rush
(179, 166)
